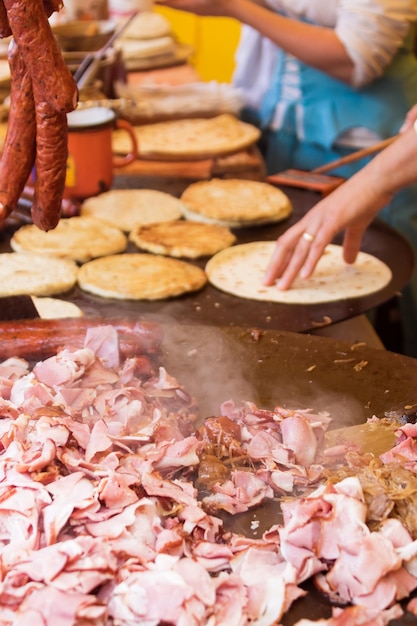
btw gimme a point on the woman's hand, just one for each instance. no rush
(299, 249)
(351, 207)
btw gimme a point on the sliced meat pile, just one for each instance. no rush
(101, 521)
(42, 92)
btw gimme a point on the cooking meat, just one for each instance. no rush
(39, 338)
(101, 524)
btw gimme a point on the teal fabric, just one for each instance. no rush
(330, 107)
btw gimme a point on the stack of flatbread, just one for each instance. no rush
(239, 271)
(149, 35)
(197, 138)
(128, 208)
(235, 202)
(78, 238)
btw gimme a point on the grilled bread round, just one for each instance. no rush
(140, 277)
(126, 208)
(182, 238)
(235, 202)
(239, 271)
(77, 238)
(35, 274)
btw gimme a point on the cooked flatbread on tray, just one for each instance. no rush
(139, 276)
(189, 138)
(239, 271)
(146, 48)
(127, 208)
(182, 238)
(77, 238)
(147, 25)
(235, 202)
(54, 308)
(35, 274)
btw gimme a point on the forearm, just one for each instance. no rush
(316, 46)
(396, 166)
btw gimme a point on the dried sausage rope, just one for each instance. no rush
(42, 92)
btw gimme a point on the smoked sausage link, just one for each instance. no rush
(50, 164)
(5, 30)
(38, 46)
(18, 154)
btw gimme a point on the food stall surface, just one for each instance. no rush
(213, 307)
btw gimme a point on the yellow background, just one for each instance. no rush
(213, 39)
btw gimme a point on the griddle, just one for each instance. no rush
(294, 370)
(275, 368)
(213, 307)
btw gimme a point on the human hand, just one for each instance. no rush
(410, 118)
(299, 249)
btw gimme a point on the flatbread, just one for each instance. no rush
(54, 308)
(146, 48)
(239, 271)
(189, 138)
(182, 239)
(77, 238)
(127, 208)
(147, 25)
(235, 202)
(140, 277)
(32, 274)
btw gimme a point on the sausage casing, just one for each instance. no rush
(32, 32)
(18, 154)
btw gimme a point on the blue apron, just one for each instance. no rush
(330, 107)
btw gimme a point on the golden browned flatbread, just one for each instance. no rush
(35, 274)
(54, 308)
(78, 238)
(190, 138)
(127, 208)
(182, 238)
(140, 277)
(235, 202)
(240, 270)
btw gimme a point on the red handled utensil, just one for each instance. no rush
(316, 179)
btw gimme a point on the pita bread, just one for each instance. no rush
(235, 202)
(239, 271)
(53, 308)
(78, 238)
(32, 274)
(147, 25)
(126, 208)
(182, 239)
(140, 277)
(189, 138)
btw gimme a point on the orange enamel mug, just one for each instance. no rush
(91, 161)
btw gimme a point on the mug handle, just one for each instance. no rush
(120, 161)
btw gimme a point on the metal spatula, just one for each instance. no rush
(17, 308)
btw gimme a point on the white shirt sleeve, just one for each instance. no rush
(372, 31)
